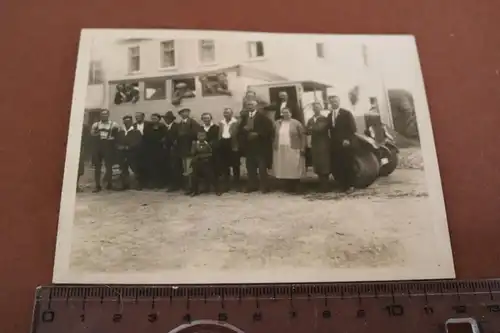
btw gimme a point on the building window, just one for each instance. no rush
(155, 89)
(255, 50)
(168, 54)
(127, 93)
(214, 85)
(207, 51)
(320, 50)
(95, 73)
(134, 59)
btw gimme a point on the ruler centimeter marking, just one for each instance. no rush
(423, 305)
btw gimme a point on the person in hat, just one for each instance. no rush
(104, 131)
(181, 91)
(142, 170)
(128, 142)
(153, 139)
(187, 133)
(173, 170)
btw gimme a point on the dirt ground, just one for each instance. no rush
(147, 231)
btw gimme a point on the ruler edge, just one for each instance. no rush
(218, 291)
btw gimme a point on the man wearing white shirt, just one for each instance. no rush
(343, 140)
(257, 135)
(105, 131)
(174, 162)
(229, 157)
(142, 167)
(284, 101)
(128, 141)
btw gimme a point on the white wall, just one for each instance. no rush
(342, 66)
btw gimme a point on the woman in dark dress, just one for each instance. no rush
(153, 140)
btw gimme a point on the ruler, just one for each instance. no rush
(403, 307)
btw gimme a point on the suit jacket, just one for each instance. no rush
(257, 141)
(146, 123)
(344, 127)
(128, 140)
(212, 135)
(233, 131)
(298, 138)
(153, 138)
(171, 135)
(186, 134)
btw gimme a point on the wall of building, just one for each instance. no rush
(342, 67)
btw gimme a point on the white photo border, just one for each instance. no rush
(62, 274)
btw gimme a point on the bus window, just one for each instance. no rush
(127, 93)
(155, 89)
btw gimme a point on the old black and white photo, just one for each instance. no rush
(239, 157)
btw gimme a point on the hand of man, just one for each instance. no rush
(346, 143)
(253, 135)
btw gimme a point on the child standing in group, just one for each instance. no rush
(203, 166)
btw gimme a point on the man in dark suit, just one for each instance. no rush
(257, 134)
(285, 102)
(84, 148)
(174, 162)
(141, 174)
(187, 133)
(128, 141)
(343, 142)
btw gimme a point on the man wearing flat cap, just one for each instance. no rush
(128, 142)
(187, 132)
(174, 163)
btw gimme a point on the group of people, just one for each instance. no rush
(196, 156)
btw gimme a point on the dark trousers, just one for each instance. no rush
(141, 172)
(156, 163)
(256, 164)
(323, 182)
(343, 166)
(203, 171)
(104, 154)
(128, 160)
(173, 167)
(229, 160)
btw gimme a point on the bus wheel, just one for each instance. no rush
(366, 169)
(392, 163)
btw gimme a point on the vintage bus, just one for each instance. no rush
(205, 91)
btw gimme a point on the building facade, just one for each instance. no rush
(152, 69)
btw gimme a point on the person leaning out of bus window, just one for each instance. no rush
(289, 151)
(104, 131)
(318, 129)
(128, 141)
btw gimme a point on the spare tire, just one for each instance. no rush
(366, 169)
(387, 169)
